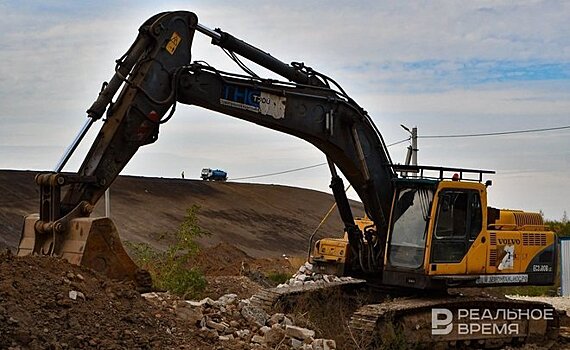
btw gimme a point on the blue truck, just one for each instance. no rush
(213, 175)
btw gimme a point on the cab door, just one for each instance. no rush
(457, 227)
(476, 258)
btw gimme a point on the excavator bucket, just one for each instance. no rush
(89, 242)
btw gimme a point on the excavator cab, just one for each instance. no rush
(429, 225)
(442, 234)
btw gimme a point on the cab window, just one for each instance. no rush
(409, 227)
(458, 223)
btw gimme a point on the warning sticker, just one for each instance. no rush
(507, 262)
(172, 44)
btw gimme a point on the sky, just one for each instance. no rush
(445, 67)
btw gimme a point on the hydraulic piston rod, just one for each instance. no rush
(73, 146)
(252, 53)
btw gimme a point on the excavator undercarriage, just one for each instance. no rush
(412, 320)
(467, 321)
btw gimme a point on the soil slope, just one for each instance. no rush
(262, 220)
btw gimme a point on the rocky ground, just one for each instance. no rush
(46, 303)
(239, 324)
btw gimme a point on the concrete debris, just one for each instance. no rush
(205, 301)
(296, 343)
(324, 344)
(240, 324)
(258, 339)
(192, 315)
(305, 276)
(220, 327)
(254, 314)
(299, 332)
(73, 295)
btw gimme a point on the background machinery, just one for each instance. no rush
(424, 232)
(213, 174)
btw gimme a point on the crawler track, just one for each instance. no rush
(409, 322)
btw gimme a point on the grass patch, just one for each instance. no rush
(531, 291)
(169, 268)
(278, 277)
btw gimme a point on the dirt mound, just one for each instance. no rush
(46, 303)
(229, 269)
(225, 259)
(241, 286)
(261, 220)
(222, 259)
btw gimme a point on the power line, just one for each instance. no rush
(280, 172)
(398, 142)
(423, 137)
(495, 133)
(302, 168)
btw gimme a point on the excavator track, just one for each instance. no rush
(268, 298)
(408, 323)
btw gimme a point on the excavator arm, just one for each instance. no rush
(155, 74)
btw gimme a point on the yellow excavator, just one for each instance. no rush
(430, 230)
(459, 241)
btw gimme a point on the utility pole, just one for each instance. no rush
(412, 155)
(414, 145)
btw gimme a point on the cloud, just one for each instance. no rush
(446, 67)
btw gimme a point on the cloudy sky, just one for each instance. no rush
(447, 67)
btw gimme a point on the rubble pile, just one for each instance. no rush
(239, 324)
(46, 303)
(306, 276)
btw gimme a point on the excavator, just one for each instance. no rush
(428, 228)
